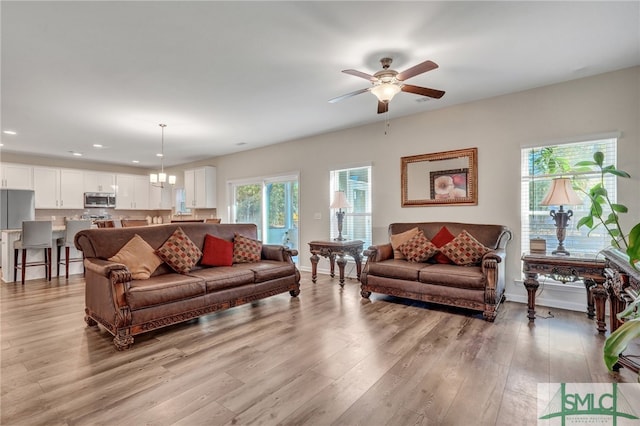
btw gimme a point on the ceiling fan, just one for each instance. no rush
(387, 83)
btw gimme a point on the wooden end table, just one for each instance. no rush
(332, 249)
(568, 269)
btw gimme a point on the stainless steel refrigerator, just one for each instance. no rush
(16, 205)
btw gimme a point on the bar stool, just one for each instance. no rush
(72, 228)
(106, 224)
(36, 234)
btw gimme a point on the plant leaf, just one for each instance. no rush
(620, 208)
(598, 191)
(598, 157)
(596, 208)
(619, 173)
(585, 163)
(617, 342)
(633, 249)
(632, 311)
(585, 221)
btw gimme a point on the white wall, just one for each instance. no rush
(498, 127)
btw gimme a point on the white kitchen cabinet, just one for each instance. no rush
(99, 182)
(160, 198)
(58, 188)
(16, 176)
(200, 187)
(132, 192)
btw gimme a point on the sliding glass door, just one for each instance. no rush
(272, 204)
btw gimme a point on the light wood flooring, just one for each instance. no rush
(325, 358)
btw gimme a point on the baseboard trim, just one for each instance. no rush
(551, 295)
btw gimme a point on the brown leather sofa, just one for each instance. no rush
(127, 307)
(477, 287)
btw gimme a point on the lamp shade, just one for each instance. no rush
(340, 201)
(385, 91)
(561, 193)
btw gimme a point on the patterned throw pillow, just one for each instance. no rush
(418, 248)
(139, 257)
(179, 252)
(246, 250)
(464, 249)
(398, 239)
(440, 239)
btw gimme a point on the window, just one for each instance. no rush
(272, 204)
(538, 167)
(356, 184)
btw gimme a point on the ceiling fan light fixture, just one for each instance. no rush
(385, 91)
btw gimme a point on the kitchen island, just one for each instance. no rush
(9, 236)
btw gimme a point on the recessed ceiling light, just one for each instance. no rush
(1, 144)
(135, 161)
(77, 154)
(9, 132)
(97, 145)
(159, 155)
(241, 143)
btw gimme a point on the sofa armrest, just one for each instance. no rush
(379, 252)
(496, 256)
(105, 267)
(106, 285)
(278, 253)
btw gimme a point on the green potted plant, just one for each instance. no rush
(605, 213)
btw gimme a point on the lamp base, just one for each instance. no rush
(561, 218)
(561, 252)
(340, 216)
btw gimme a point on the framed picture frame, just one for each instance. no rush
(445, 184)
(440, 178)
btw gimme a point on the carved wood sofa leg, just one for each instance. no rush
(489, 313)
(90, 321)
(294, 293)
(365, 294)
(123, 341)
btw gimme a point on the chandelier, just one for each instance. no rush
(159, 179)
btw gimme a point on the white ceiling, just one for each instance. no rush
(231, 76)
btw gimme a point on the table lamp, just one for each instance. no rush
(560, 194)
(340, 202)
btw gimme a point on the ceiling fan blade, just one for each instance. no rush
(417, 69)
(360, 74)
(348, 95)
(383, 107)
(424, 91)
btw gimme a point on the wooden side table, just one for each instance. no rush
(568, 269)
(332, 249)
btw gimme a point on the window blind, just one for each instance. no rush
(539, 166)
(356, 184)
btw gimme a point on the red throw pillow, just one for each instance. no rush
(216, 252)
(440, 239)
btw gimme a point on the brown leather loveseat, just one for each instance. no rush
(477, 286)
(127, 307)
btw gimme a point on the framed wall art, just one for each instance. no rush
(441, 178)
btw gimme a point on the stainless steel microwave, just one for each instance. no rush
(99, 199)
